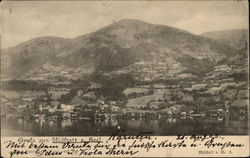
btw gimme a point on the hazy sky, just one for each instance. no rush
(21, 21)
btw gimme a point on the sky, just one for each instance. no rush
(24, 20)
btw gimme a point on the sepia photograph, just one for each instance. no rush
(90, 68)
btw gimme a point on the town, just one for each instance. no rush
(151, 93)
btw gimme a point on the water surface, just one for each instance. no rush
(160, 127)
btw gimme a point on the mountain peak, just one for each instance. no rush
(131, 21)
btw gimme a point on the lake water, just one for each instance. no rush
(159, 127)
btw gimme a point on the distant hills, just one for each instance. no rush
(114, 47)
(237, 38)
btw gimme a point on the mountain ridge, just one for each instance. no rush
(236, 38)
(113, 47)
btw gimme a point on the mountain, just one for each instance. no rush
(236, 38)
(113, 47)
(28, 55)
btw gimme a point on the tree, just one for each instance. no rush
(48, 97)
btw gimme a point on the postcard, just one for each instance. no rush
(110, 78)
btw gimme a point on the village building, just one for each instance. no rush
(67, 107)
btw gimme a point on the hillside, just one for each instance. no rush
(235, 38)
(20, 59)
(113, 47)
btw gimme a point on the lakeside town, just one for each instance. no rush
(222, 92)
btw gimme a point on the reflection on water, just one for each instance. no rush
(166, 126)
